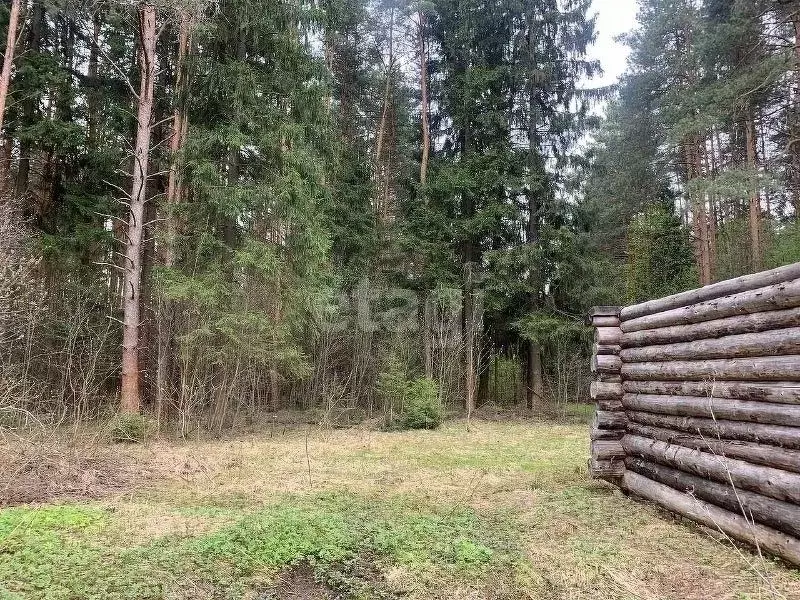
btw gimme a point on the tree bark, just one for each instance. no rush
(605, 434)
(381, 169)
(745, 283)
(608, 336)
(130, 399)
(769, 368)
(603, 321)
(607, 450)
(599, 390)
(699, 217)
(780, 392)
(470, 326)
(756, 246)
(606, 363)
(536, 174)
(735, 325)
(783, 516)
(774, 483)
(605, 419)
(775, 297)
(775, 435)
(715, 408)
(760, 454)
(8, 58)
(794, 132)
(29, 104)
(734, 525)
(173, 196)
(767, 343)
(606, 349)
(609, 470)
(425, 105)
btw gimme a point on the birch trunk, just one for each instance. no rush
(130, 399)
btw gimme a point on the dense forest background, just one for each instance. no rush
(216, 208)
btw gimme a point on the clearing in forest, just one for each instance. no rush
(496, 510)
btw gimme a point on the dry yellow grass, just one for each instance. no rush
(576, 539)
(583, 539)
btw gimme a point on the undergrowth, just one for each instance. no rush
(71, 551)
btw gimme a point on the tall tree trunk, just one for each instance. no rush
(93, 96)
(425, 106)
(711, 170)
(756, 247)
(470, 340)
(381, 167)
(8, 57)
(699, 216)
(30, 103)
(130, 399)
(173, 197)
(705, 211)
(534, 379)
(794, 129)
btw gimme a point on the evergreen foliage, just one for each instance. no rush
(291, 247)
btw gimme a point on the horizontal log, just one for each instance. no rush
(766, 368)
(710, 292)
(608, 377)
(599, 390)
(611, 405)
(762, 321)
(715, 408)
(760, 454)
(775, 483)
(605, 349)
(775, 297)
(607, 450)
(782, 392)
(606, 434)
(774, 435)
(606, 363)
(766, 343)
(608, 336)
(604, 311)
(606, 419)
(605, 321)
(732, 524)
(610, 470)
(783, 516)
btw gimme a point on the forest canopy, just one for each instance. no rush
(216, 207)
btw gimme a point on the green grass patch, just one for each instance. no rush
(67, 552)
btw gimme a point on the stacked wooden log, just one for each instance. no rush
(607, 455)
(710, 384)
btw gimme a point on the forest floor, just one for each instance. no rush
(494, 510)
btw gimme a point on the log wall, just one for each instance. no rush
(698, 405)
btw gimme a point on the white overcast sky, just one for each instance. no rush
(613, 18)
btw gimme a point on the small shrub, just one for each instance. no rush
(421, 406)
(130, 429)
(409, 404)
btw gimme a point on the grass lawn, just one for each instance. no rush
(499, 510)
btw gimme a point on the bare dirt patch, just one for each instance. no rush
(48, 468)
(298, 583)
